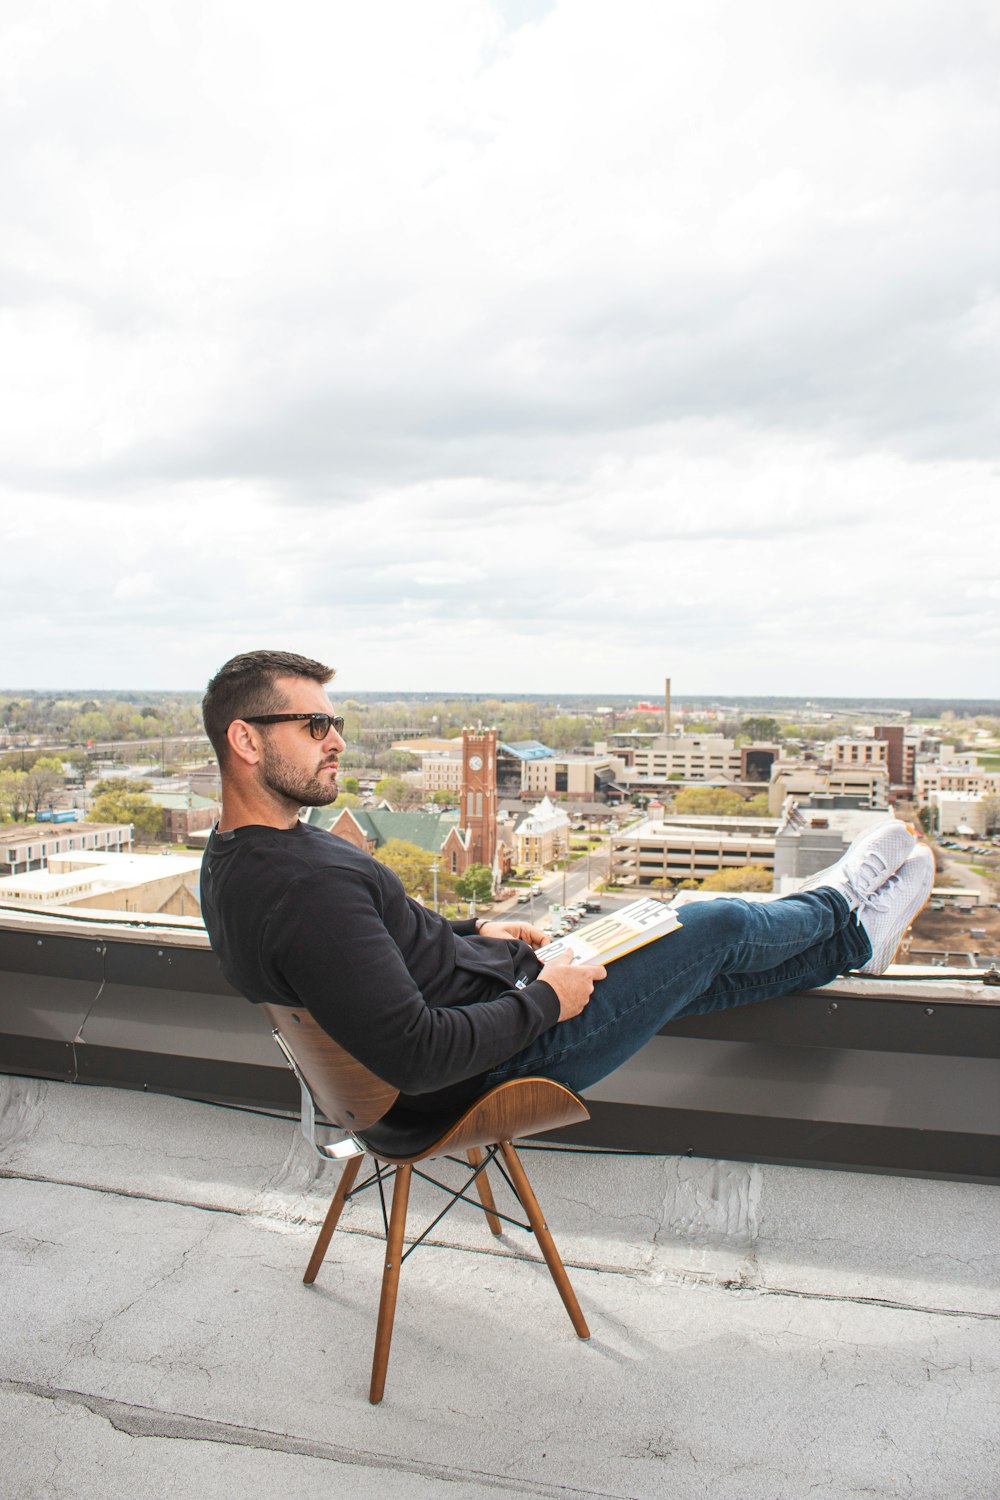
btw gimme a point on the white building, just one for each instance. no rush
(955, 776)
(149, 883)
(542, 836)
(959, 812)
(700, 757)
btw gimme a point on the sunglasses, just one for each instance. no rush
(319, 724)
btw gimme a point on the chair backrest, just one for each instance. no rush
(348, 1094)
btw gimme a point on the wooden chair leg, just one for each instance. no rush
(390, 1282)
(544, 1238)
(486, 1198)
(347, 1176)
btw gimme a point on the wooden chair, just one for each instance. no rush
(362, 1105)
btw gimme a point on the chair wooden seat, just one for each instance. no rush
(363, 1105)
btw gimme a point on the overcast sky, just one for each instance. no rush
(503, 345)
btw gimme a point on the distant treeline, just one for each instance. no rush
(731, 705)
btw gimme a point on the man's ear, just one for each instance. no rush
(243, 743)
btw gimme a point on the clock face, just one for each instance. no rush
(475, 762)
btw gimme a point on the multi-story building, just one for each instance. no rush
(955, 776)
(542, 836)
(29, 846)
(850, 752)
(902, 761)
(442, 772)
(511, 758)
(654, 760)
(686, 758)
(584, 776)
(960, 812)
(690, 848)
(862, 786)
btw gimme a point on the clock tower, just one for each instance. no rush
(479, 794)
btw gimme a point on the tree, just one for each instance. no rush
(351, 784)
(13, 794)
(761, 728)
(413, 865)
(711, 800)
(347, 799)
(45, 775)
(400, 795)
(476, 884)
(129, 807)
(748, 878)
(756, 807)
(117, 785)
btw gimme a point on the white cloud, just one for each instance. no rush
(504, 346)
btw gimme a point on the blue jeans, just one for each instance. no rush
(728, 952)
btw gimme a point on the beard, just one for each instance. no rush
(294, 784)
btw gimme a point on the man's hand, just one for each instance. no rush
(573, 983)
(533, 936)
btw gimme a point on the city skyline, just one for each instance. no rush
(503, 341)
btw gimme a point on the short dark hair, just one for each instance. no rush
(245, 687)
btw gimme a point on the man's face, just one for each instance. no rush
(297, 767)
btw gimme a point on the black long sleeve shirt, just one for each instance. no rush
(300, 917)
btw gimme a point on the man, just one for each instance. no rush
(442, 1010)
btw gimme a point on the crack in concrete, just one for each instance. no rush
(680, 1274)
(153, 1422)
(89, 1345)
(857, 1300)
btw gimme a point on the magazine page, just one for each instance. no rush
(613, 935)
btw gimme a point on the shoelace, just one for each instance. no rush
(878, 900)
(871, 875)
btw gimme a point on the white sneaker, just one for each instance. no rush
(867, 863)
(888, 912)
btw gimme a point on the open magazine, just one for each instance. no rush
(610, 937)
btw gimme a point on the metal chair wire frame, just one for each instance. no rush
(381, 1173)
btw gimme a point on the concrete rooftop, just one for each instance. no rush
(757, 1331)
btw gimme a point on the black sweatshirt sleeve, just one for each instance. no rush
(331, 947)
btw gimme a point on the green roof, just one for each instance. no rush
(191, 800)
(427, 830)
